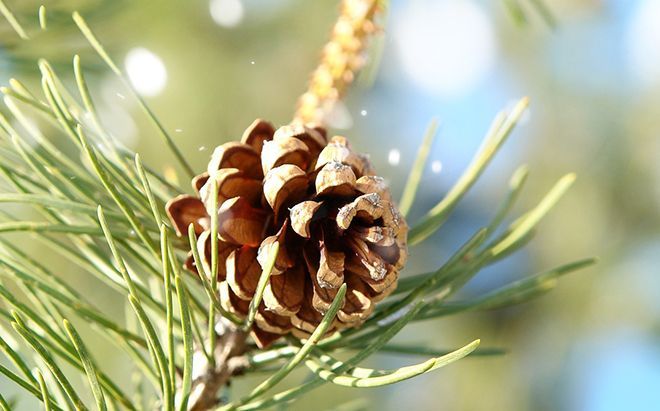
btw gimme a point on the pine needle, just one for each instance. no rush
(261, 285)
(186, 320)
(87, 363)
(11, 19)
(382, 377)
(43, 18)
(417, 170)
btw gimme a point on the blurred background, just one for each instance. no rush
(208, 68)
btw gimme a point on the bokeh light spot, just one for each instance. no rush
(146, 71)
(446, 47)
(643, 43)
(226, 13)
(394, 157)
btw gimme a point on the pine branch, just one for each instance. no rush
(106, 214)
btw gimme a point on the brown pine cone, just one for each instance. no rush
(333, 219)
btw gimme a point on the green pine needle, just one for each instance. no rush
(365, 378)
(157, 350)
(182, 298)
(87, 363)
(43, 18)
(44, 391)
(261, 285)
(417, 170)
(205, 278)
(11, 19)
(526, 223)
(169, 319)
(214, 266)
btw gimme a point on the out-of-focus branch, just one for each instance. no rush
(342, 57)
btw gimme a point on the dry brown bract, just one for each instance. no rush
(333, 219)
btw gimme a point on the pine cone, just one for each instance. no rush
(333, 219)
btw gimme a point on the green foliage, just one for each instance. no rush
(101, 209)
(369, 378)
(516, 9)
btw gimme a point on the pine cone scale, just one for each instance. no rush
(301, 216)
(285, 184)
(231, 182)
(237, 156)
(284, 293)
(330, 273)
(185, 210)
(258, 132)
(243, 272)
(240, 223)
